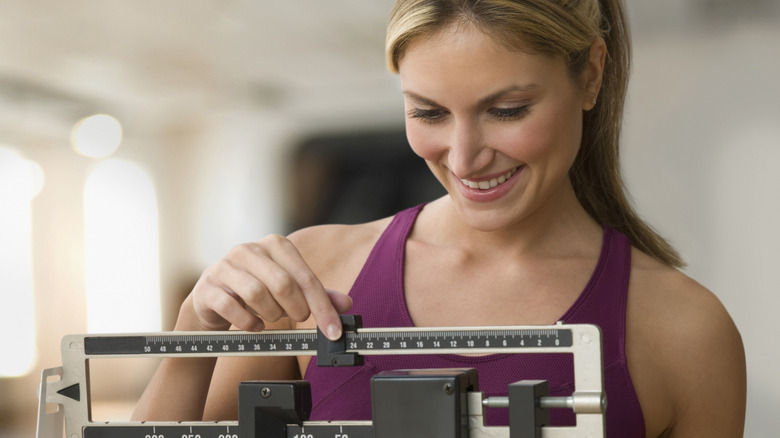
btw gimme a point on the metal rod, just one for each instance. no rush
(544, 402)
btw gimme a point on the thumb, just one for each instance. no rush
(342, 302)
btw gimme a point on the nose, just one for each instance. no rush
(467, 152)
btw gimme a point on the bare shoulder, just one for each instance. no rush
(337, 252)
(673, 298)
(685, 354)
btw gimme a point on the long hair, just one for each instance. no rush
(565, 28)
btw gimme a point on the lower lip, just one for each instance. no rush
(489, 195)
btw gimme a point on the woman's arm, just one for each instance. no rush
(708, 373)
(685, 356)
(178, 389)
(258, 285)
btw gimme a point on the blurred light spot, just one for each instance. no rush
(96, 136)
(19, 178)
(122, 249)
(20, 181)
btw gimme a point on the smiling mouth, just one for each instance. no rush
(488, 184)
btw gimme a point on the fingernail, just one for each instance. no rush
(334, 332)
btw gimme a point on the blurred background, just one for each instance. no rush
(219, 121)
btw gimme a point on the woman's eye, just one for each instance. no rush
(426, 115)
(513, 113)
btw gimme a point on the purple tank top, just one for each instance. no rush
(378, 295)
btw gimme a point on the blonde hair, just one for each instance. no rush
(565, 28)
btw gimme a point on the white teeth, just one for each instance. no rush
(489, 184)
(471, 184)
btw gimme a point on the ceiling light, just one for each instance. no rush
(96, 136)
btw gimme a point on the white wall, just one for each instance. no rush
(701, 144)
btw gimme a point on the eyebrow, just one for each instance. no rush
(420, 99)
(497, 95)
(487, 99)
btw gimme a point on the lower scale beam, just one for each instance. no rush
(355, 429)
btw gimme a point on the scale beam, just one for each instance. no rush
(67, 386)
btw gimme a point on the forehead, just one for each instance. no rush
(463, 60)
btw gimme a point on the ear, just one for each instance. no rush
(593, 73)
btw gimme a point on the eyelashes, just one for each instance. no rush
(427, 116)
(513, 113)
(433, 116)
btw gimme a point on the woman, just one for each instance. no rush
(516, 108)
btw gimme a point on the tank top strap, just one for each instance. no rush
(603, 300)
(378, 291)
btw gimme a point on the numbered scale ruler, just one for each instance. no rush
(68, 386)
(304, 342)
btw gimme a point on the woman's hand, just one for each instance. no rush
(261, 282)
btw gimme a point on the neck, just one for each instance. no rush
(560, 228)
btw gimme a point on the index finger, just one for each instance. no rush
(318, 300)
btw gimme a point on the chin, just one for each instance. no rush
(487, 219)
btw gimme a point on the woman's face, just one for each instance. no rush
(498, 128)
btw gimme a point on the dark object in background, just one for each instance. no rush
(358, 177)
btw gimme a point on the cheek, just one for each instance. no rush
(422, 141)
(424, 145)
(554, 135)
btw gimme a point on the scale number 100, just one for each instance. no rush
(308, 435)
